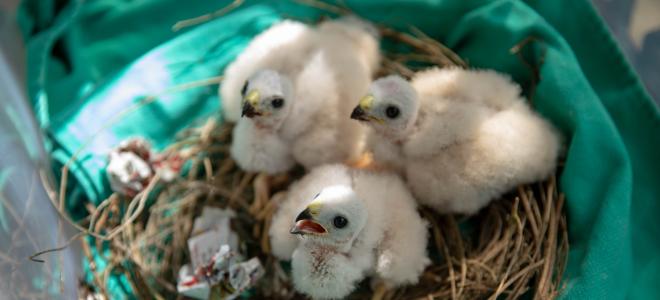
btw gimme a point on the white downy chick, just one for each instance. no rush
(461, 137)
(293, 107)
(285, 48)
(339, 225)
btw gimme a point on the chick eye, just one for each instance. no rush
(340, 222)
(392, 112)
(244, 89)
(277, 102)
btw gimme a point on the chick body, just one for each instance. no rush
(319, 73)
(472, 138)
(388, 241)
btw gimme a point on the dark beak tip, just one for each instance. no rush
(248, 111)
(304, 215)
(358, 114)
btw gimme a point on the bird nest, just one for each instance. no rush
(517, 245)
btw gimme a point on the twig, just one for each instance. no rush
(207, 17)
(336, 9)
(34, 258)
(535, 70)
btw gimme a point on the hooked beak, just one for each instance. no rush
(249, 111)
(359, 114)
(249, 103)
(360, 111)
(305, 224)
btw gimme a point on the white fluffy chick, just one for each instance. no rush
(461, 137)
(339, 225)
(298, 84)
(283, 48)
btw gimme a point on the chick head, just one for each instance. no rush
(267, 98)
(390, 106)
(334, 218)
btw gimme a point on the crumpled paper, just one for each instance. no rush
(215, 270)
(210, 231)
(133, 164)
(168, 166)
(223, 275)
(128, 169)
(245, 275)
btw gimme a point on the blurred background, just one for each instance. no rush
(26, 216)
(636, 27)
(28, 222)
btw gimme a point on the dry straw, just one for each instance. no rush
(517, 245)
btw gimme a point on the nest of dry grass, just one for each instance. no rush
(517, 245)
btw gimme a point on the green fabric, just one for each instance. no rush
(90, 59)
